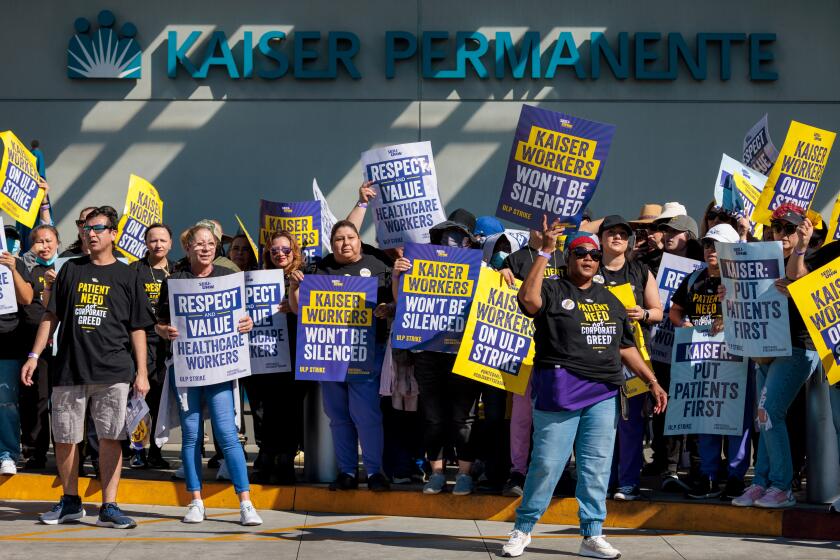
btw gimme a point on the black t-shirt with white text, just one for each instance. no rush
(700, 300)
(98, 306)
(581, 330)
(520, 263)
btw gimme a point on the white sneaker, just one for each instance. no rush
(179, 473)
(195, 512)
(248, 515)
(8, 466)
(597, 547)
(516, 543)
(223, 473)
(835, 506)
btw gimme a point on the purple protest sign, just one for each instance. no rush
(555, 164)
(301, 219)
(434, 297)
(336, 329)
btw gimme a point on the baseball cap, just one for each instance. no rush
(682, 223)
(579, 238)
(672, 209)
(788, 213)
(613, 221)
(723, 233)
(487, 226)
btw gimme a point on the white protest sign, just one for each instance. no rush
(269, 339)
(672, 271)
(759, 151)
(328, 219)
(206, 312)
(708, 385)
(755, 313)
(407, 203)
(8, 300)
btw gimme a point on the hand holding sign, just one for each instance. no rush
(550, 234)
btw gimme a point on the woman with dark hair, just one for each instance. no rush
(353, 406)
(218, 398)
(241, 254)
(582, 337)
(154, 268)
(280, 435)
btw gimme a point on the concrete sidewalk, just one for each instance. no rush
(301, 535)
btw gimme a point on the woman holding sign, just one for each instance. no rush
(353, 406)
(778, 382)
(218, 398)
(582, 336)
(618, 240)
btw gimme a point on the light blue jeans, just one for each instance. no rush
(219, 401)
(592, 432)
(9, 409)
(778, 383)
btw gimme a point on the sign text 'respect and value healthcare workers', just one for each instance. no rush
(311, 55)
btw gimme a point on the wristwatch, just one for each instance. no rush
(646, 316)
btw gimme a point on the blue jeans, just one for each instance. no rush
(778, 383)
(355, 416)
(592, 432)
(219, 401)
(9, 409)
(737, 447)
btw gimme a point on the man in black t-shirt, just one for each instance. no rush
(103, 311)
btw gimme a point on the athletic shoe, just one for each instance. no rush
(179, 473)
(436, 484)
(378, 483)
(703, 489)
(671, 482)
(138, 460)
(516, 543)
(68, 508)
(400, 479)
(750, 495)
(597, 547)
(345, 481)
(514, 487)
(35, 464)
(223, 473)
(156, 461)
(734, 488)
(248, 515)
(463, 485)
(775, 499)
(835, 506)
(627, 493)
(195, 512)
(8, 466)
(110, 515)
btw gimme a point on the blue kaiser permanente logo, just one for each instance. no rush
(103, 53)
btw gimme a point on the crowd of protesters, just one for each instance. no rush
(572, 433)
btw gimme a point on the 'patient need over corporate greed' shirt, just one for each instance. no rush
(99, 307)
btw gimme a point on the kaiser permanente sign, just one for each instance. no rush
(443, 55)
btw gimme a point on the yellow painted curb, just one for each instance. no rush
(669, 516)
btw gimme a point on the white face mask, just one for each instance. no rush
(12, 245)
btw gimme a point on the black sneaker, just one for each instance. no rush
(671, 482)
(734, 488)
(110, 515)
(156, 461)
(627, 493)
(68, 508)
(515, 485)
(345, 481)
(138, 460)
(703, 489)
(378, 483)
(35, 464)
(213, 462)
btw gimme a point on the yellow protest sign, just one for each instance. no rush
(834, 223)
(498, 346)
(20, 196)
(751, 194)
(624, 293)
(250, 239)
(816, 297)
(797, 172)
(143, 207)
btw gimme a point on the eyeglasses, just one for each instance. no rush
(581, 252)
(708, 244)
(98, 228)
(205, 246)
(280, 250)
(80, 223)
(780, 227)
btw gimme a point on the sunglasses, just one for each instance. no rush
(80, 223)
(98, 228)
(581, 252)
(280, 251)
(786, 228)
